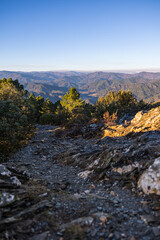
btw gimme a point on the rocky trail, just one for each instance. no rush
(60, 188)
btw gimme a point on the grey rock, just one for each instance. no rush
(14, 180)
(4, 171)
(82, 221)
(99, 208)
(42, 236)
(6, 198)
(156, 231)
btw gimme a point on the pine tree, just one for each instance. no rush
(71, 100)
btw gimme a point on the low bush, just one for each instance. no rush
(14, 127)
(109, 119)
(16, 123)
(47, 118)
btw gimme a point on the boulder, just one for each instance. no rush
(150, 179)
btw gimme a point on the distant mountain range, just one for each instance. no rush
(144, 85)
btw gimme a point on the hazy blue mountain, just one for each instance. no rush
(91, 85)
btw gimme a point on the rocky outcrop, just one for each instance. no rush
(19, 201)
(143, 121)
(150, 179)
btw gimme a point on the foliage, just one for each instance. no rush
(10, 92)
(71, 110)
(109, 119)
(47, 118)
(120, 102)
(14, 83)
(15, 116)
(43, 109)
(18, 111)
(71, 100)
(61, 115)
(75, 110)
(14, 126)
(47, 107)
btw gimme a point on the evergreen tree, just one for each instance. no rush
(71, 100)
(48, 107)
(15, 116)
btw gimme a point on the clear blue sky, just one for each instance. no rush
(79, 34)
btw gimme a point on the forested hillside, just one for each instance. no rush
(144, 85)
(20, 110)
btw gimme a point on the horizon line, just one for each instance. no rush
(96, 70)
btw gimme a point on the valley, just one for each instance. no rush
(144, 85)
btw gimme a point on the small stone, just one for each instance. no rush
(110, 235)
(63, 186)
(44, 158)
(123, 235)
(144, 202)
(101, 234)
(43, 194)
(99, 208)
(156, 231)
(112, 193)
(87, 191)
(134, 213)
(93, 233)
(92, 186)
(139, 221)
(103, 219)
(15, 181)
(6, 198)
(28, 204)
(41, 236)
(132, 238)
(117, 235)
(6, 234)
(58, 205)
(59, 234)
(140, 210)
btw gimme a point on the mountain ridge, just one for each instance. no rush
(91, 85)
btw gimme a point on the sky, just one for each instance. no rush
(82, 35)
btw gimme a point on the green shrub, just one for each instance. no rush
(16, 123)
(120, 102)
(47, 118)
(14, 127)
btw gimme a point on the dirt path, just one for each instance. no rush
(80, 208)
